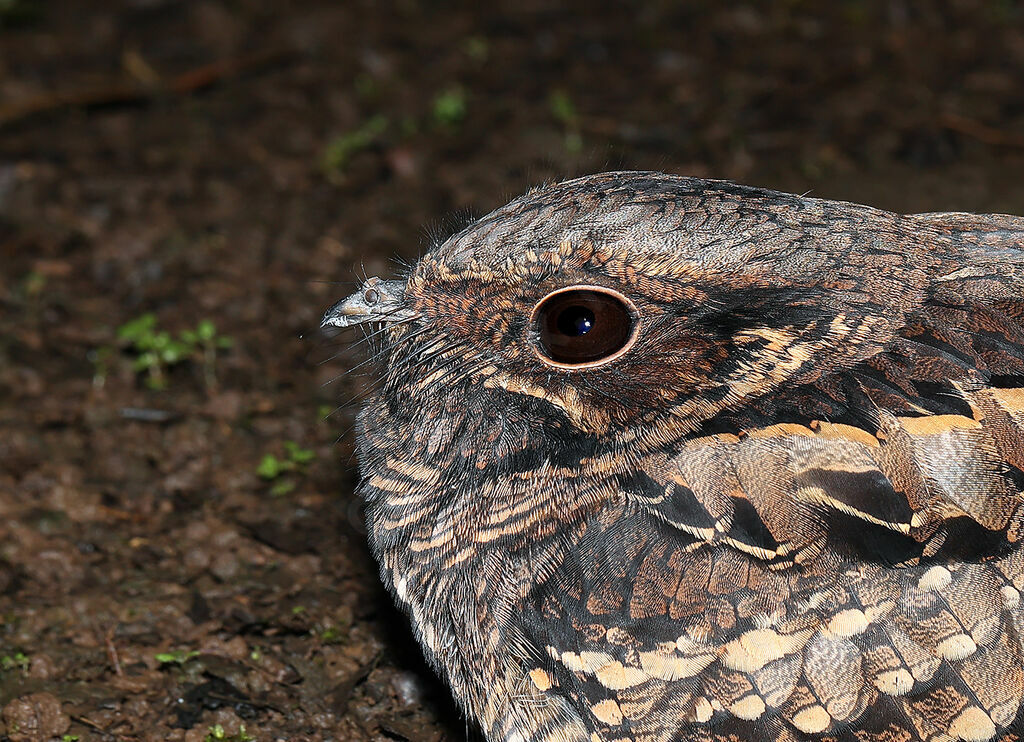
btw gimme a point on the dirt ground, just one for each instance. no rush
(185, 185)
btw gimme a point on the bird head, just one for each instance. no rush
(616, 307)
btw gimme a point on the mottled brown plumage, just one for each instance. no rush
(760, 480)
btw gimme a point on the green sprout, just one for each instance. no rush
(564, 112)
(273, 468)
(69, 738)
(450, 107)
(206, 342)
(339, 151)
(157, 350)
(16, 661)
(176, 656)
(331, 635)
(216, 733)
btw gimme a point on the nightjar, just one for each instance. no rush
(658, 458)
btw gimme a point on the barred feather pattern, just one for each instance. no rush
(792, 511)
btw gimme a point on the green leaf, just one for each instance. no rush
(450, 107)
(562, 107)
(172, 354)
(297, 454)
(158, 341)
(146, 360)
(270, 467)
(17, 660)
(206, 330)
(139, 327)
(282, 488)
(340, 149)
(330, 635)
(176, 656)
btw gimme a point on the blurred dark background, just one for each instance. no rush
(186, 185)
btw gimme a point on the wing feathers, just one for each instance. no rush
(770, 493)
(938, 644)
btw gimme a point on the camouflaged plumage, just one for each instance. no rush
(792, 510)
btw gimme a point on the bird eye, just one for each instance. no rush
(584, 325)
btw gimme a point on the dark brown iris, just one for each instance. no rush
(584, 325)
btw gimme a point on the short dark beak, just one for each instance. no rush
(375, 301)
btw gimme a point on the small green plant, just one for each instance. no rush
(206, 342)
(564, 112)
(157, 350)
(69, 738)
(16, 661)
(176, 656)
(216, 733)
(339, 151)
(330, 635)
(273, 468)
(450, 107)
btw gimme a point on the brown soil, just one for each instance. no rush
(227, 161)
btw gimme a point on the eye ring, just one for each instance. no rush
(583, 326)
